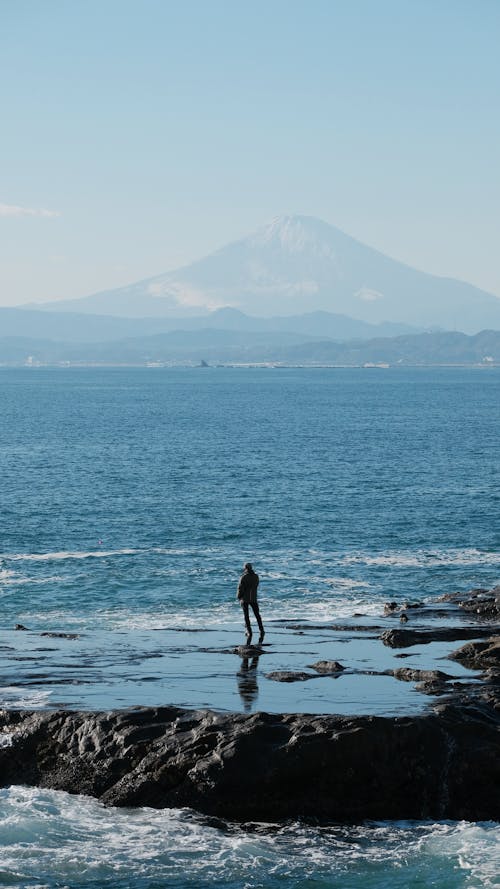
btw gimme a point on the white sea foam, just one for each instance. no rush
(6, 576)
(68, 554)
(100, 553)
(14, 696)
(423, 558)
(294, 563)
(343, 583)
(298, 608)
(13, 579)
(57, 839)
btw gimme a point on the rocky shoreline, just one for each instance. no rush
(441, 764)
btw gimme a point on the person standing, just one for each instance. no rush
(247, 596)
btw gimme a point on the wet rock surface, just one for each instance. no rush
(266, 767)
(405, 638)
(480, 602)
(442, 762)
(327, 667)
(480, 655)
(290, 676)
(406, 674)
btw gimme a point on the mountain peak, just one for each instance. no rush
(295, 234)
(298, 264)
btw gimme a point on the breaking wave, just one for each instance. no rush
(51, 839)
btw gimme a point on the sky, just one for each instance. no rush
(139, 135)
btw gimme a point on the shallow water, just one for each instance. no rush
(112, 668)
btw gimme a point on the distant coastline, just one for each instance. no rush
(66, 365)
(216, 347)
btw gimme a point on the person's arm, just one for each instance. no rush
(239, 594)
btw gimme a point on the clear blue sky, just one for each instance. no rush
(158, 130)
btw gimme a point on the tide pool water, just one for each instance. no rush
(130, 499)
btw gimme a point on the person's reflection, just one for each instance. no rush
(247, 681)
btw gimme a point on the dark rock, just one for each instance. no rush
(50, 634)
(326, 667)
(433, 687)
(457, 598)
(248, 650)
(61, 635)
(290, 676)
(395, 607)
(407, 674)
(261, 767)
(480, 602)
(338, 628)
(488, 606)
(405, 638)
(479, 655)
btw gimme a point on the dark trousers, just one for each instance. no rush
(255, 609)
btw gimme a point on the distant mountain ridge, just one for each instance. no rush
(71, 327)
(296, 265)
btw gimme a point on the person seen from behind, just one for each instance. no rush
(247, 595)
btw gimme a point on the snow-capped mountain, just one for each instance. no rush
(298, 264)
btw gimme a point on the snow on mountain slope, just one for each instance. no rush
(298, 264)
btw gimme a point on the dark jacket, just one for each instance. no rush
(247, 587)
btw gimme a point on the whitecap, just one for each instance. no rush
(14, 579)
(343, 582)
(6, 576)
(423, 558)
(69, 554)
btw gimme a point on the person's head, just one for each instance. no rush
(247, 566)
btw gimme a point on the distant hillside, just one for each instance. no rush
(70, 327)
(222, 346)
(422, 349)
(299, 264)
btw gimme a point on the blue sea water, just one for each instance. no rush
(129, 500)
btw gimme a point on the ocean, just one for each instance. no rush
(130, 498)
